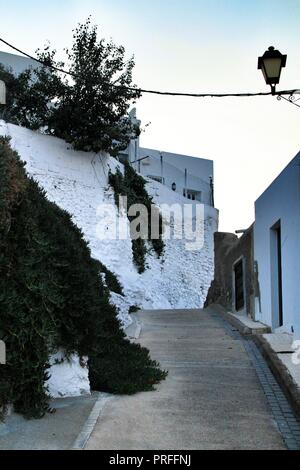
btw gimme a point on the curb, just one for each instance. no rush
(239, 325)
(91, 422)
(280, 372)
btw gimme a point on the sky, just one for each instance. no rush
(193, 46)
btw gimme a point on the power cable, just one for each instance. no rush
(167, 93)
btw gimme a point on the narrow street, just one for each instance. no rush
(211, 399)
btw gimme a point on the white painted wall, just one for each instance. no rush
(281, 201)
(199, 171)
(68, 378)
(78, 183)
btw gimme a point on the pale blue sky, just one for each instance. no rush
(194, 46)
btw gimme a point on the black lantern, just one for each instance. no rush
(174, 186)
(271, 64)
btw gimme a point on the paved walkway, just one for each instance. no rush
(212, 398)
(57, 431)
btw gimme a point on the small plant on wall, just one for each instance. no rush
(132, 186)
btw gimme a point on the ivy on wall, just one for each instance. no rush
(52, 296)
(132, 186)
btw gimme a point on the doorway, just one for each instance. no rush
(276, 276)
(238, 279)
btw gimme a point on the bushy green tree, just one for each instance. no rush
(90, 108)
(32, 95)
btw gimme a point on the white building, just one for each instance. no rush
(277, 251)
(16, 63)
(192, 177)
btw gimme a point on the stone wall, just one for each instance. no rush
(228, 249)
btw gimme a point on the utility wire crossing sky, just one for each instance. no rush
(155, 92)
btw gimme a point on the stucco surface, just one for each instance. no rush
(78, 183)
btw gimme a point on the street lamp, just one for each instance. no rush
(271, 64)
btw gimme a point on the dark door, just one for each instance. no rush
(239, 285)
(277, 230)
(279, 266)
(276, 275)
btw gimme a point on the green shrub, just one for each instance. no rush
(129, 373)
(90, 110)
(111, 279)
(132, 185)
(52, 297)
(133, 308)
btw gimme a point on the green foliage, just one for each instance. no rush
(52, 297)
(132, 186)
(90, 110)
(129, 373)
(139, 250)
(133, 309)
(111, 279)
(31, 96)
(12, 184)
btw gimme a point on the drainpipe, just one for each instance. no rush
(212, 195)
(185, 182)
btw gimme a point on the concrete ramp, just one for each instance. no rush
(211, 399)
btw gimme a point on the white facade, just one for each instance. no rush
(191, 177)
(16, 63)
(277, 251)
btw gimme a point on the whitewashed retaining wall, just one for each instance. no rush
(77, 182)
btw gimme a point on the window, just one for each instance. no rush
(156, 178)
(192, 194)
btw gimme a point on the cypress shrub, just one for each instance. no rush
(52, 297)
